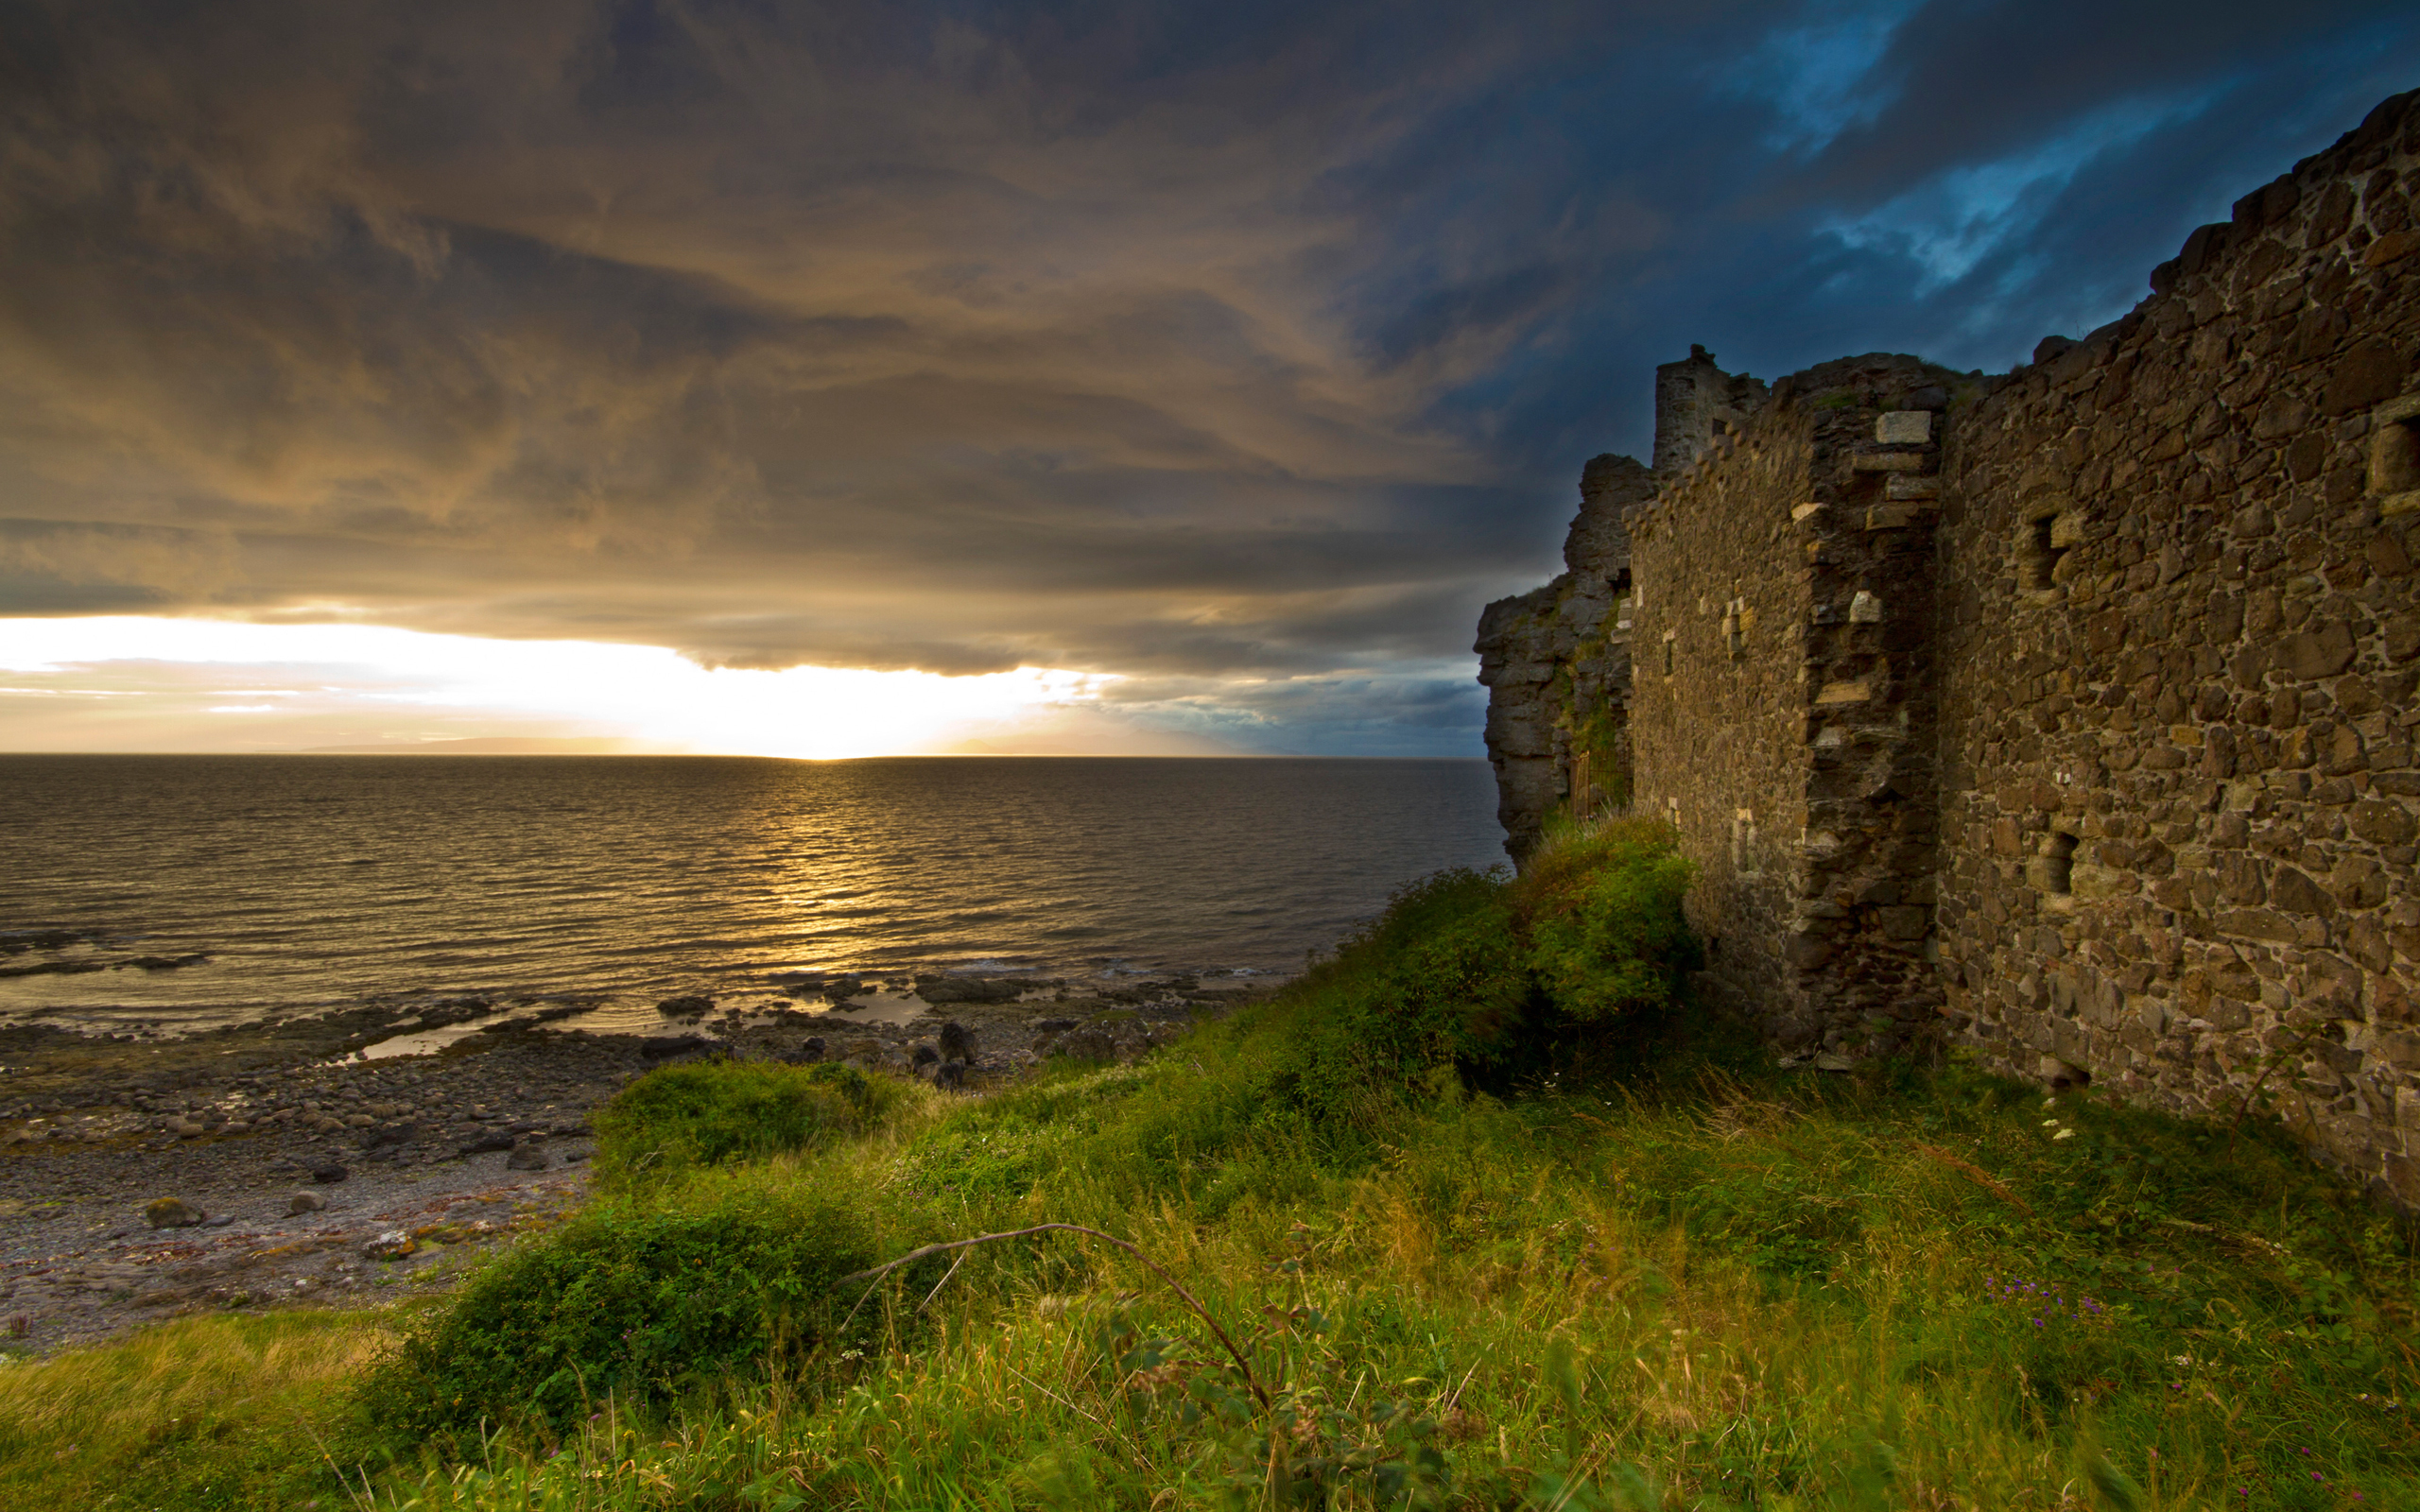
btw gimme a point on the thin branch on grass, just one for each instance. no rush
(2228, 1236)
(1190, 1299)
(939, 1285)
(1055, 1396)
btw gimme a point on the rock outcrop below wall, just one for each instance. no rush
(2070, 711)
(1556, 662)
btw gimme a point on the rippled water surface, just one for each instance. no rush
(325, 880)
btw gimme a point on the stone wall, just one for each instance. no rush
(2179, 629)
(2072, 710)
(1697, 403)
(1782, 710)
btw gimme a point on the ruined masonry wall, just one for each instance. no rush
(1718, 613)
(2180, 633)
(1783, 707)
(2073, 709)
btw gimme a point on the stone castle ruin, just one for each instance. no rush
(2070, 711)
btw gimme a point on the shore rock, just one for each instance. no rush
(328, 1175)
(303, 1202)
(1084, 1044)
(173, 1212)
(958, 1044)
(938, 989)
(530, 1155)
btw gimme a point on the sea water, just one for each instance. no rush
(615, 883)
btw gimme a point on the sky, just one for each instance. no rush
(859, 378)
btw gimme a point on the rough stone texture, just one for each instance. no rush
(1783, 714)
(2178, 629)
(1557, 661)
(172, 1213)
(1697, 404)
(2077, 716)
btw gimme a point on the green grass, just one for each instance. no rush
(1481, 1248)
(227, 1410)
(706, 1114)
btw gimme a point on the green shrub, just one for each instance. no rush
(1438, 980)
(1602, 914)
(638, 1301)
(708, 1113)
(1489, 974)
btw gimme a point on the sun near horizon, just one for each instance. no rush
(145, 685)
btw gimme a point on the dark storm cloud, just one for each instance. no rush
(1244, 350)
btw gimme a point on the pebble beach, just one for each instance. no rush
(300, 1164)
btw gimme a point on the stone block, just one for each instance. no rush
(2291, 890)
(2320, 653)
(1865, 609)
(1904, 921)
(1911, 486)
(1904, 427)
(2400, 1048)
(1891, 516)
(2381, 822)
(2092, 884)
(1888, 462)
(1840, 693)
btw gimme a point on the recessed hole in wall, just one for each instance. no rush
(2055, 872)
(1668, 656)
(2062, 1078)
(2041, 551)
(2394, 447)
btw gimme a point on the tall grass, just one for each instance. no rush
(218, 1411)
(1720, 1292)
(1674, 1277)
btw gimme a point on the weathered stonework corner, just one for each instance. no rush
(2067, 712)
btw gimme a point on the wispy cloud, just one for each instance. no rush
(1244, 353)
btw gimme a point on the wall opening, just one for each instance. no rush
(2062, 1078)
(2395, 451)
(2054, 866)
(2040, 552)
(1668, 656)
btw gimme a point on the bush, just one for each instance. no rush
(637, 1301)
(1489, 975)
(708, 1113)
(1602, 912)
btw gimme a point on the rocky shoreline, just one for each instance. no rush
(287, 1171)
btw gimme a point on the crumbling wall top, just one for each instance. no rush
(1599, 546)
(1696, 403)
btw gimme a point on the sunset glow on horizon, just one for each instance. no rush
(133, 683)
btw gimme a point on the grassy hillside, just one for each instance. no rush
(1490, 1219)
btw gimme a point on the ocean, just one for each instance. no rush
(309, 882)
